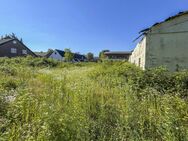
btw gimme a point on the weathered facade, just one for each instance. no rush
(12, 47)
(138, 56)
(118, 55)
(164, 44)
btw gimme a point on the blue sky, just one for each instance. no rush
(83, 25)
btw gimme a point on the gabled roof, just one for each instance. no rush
(62, 53)
(41, 54)
(145, 31)
(48, 54)
(79, 56)
(76, 55)
(3, 41)
(7, 40)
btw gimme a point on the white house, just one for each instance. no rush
(57, 55)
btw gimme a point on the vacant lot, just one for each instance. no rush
(42, 99)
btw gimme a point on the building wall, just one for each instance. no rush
(165, 45)
(118, 56)
(5, 49)
(55, 55)
(138, 56)
(168, 45)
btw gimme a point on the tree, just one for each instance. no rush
(102, 55)
(13, 36)
(90, 56)
(50, 50)
(68, 55)
(21, 40)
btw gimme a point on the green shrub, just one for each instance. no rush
(8, 70)
(90, 101)
(9, 84)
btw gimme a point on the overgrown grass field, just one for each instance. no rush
(45, 100)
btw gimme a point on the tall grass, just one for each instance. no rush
(106, 101)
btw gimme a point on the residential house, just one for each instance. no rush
(79, 57)
(59, 55)
(164, 44)
(10, 46)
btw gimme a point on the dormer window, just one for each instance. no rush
(24, 52)
(13, 50)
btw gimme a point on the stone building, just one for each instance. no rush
(164, 44)
(117, 55)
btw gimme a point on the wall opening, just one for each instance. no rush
(139, 62)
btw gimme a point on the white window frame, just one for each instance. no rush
(13, 50)
(24, 51)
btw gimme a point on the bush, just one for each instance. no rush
(41, 62)
(91, 101)
(8, 70)
(9, 84)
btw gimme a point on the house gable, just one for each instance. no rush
(176, 25)
(167, 44)
(79, 57)
(164, 44)
(8, 45)
(56, 55)
(138, 56)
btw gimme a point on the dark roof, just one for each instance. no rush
(8, 39)
(62, 53)
(145, 31)
(79, 56)
(76, 55)
(118, 52)
(48, 54)
(26, 47)
(3, 41)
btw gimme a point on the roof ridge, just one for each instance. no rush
(144, 31)
(61, 52)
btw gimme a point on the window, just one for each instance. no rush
(14, 42)
(13, 50)
(24, 51)
(139, 62)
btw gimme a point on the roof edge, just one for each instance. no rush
(145, 31)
